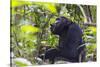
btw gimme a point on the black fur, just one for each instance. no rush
(70, 38)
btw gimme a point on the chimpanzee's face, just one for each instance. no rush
(58, 26)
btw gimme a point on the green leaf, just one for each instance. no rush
(16, 3)
(20, 64)
(90, 31)
(51, 7)
(29, 29)
(91, 47)
(93, 29)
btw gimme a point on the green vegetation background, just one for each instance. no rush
(30, 23)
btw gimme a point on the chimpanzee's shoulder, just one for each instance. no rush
(74, 26)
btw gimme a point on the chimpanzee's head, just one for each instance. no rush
(59, 26)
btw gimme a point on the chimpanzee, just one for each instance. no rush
(70, 38)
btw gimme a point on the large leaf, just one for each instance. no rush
(29, 29)
(16, 3)
(51, 7)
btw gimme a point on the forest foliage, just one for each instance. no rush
(30, 27)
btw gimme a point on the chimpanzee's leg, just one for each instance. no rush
(51, 54)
